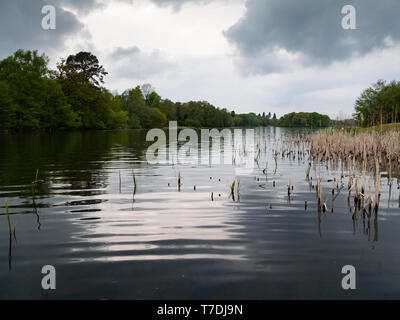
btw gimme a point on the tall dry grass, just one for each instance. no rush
(359, 153)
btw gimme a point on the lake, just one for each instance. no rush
(108, 242)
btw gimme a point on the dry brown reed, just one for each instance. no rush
(361, 153)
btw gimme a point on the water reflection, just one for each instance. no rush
(102, 206)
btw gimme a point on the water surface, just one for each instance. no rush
(107, 242)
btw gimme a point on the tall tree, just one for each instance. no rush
(87, 64)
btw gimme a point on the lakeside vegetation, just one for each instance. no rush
(305, 119)
(379, 104)
(379, 128)
(33, 97)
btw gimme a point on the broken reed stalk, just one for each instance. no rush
(319, 194)
(398, 188)
(324, 206)
(134, 181)
(350, 183)
(377, 184)
(8, 217)
(356, 194)
(232, 188)
(34, 183)
(120, 182)
(370, 197)
(308, 171)
(238, 188)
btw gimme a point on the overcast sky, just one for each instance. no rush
(244, 55)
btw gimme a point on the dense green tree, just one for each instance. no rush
(139, 114)
(79, 77)
(169, 108)
(153, 100)
(159, 120)
(56, 112)
(305, 119)
(82, 95)
(378, 104)
(7, 107)
(88, 65)
(37, 100)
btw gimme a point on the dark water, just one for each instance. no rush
(106, 242)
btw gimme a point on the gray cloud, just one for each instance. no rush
(132, 63)
(312, 31)
(21, 20)
(177, 4)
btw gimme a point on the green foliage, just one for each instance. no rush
(56, 112)
(249, 120)
(34, 97)
(153, 100)
(304, 119)
(159, 119)
(88, 65)
(378, 104)
(169, 109)
(379, 128)
(35, 100)
(134, 104)
(7, 107)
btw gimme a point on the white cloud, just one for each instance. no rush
(194, 30)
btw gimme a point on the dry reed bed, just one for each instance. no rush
(362, 156)
(359, 154)
(364, 150)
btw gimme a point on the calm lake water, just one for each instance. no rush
(107, 243)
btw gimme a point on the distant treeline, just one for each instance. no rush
(305, 119)
(379, 104)
(34, 97)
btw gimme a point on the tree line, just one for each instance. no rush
(305, 119)
(73, 96)
(34, 97)
(378, 104)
